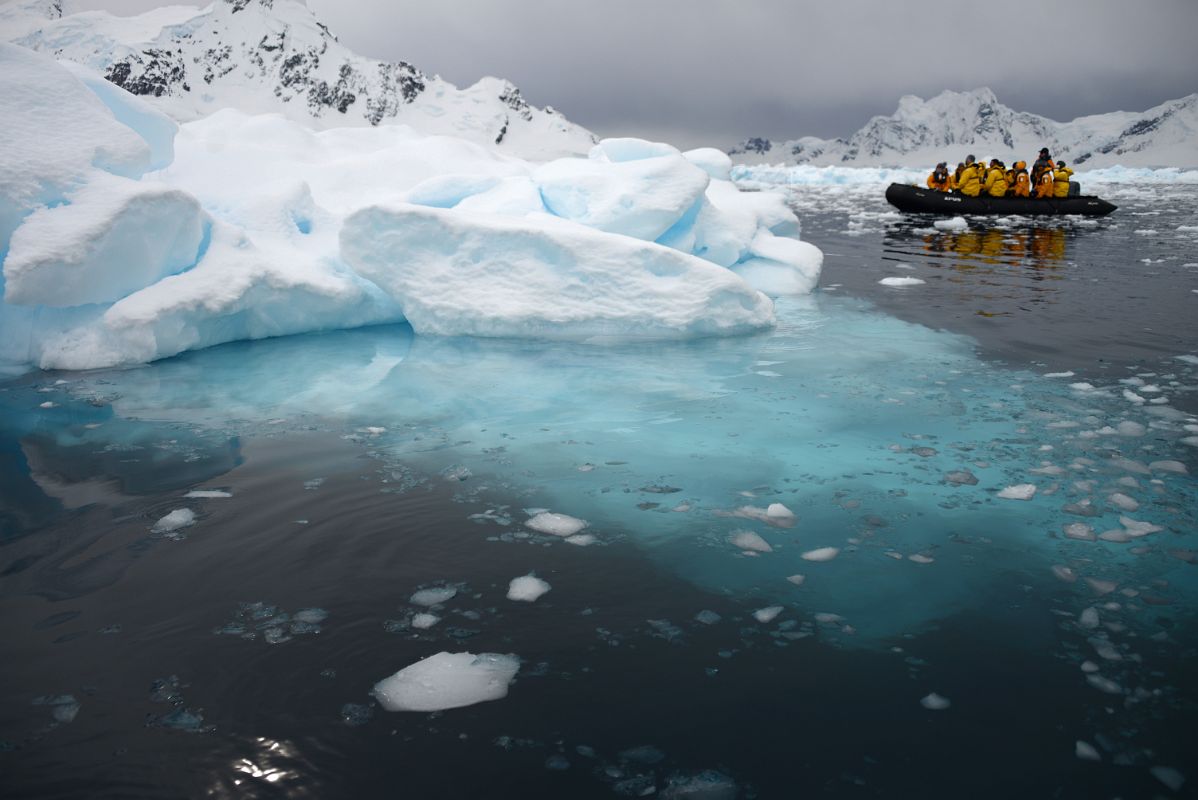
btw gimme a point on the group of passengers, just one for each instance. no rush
(972, 178)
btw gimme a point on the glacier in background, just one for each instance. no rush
(126, 238)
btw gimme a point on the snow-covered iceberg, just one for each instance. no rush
(126, 238)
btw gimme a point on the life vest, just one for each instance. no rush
(1042, 176)
(970, 183)
(996, 182)
(1060, 181)
(1020, 182)
(943, 183)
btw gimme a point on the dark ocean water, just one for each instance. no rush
(234, 657)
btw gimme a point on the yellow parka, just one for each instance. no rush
(971, 182)
(996, 182)
(1060, 181)
(945, 185)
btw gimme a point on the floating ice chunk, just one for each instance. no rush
(748, 540)
(1130, 428)
(1172, 778)
(1064, 573)
(1101, 587)
(797, 580)
(1103, 684)
(526, 588)
(777, 515)
(556, 524)
(777, 265)
(1118, 535)
(934, 702)
(1080, 531)
(1168, 466)
(1020, 491)
(715, 163)
(424, 620)
(1088, 618)
(767, 614)
(208, 494)
(1123, 501)
(821, 554)
(434, 596)
(179, 518)
(901, 280)
(1103, 647)
(448, 680)
(1137, 528)
(581, 539)
(961, 477)
(1086, 751)
(954, 224)
(706, 785)
(707, 617)
(1058, 374)
(779, 511)
(63, 707)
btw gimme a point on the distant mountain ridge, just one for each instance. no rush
(275, 56)
(952, 124)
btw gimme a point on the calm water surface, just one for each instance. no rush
(234, 657)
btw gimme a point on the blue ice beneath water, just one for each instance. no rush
(850, 418)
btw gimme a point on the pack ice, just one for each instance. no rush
(126, 238)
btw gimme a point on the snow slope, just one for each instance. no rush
(124, 241)
(263, 56)
(953, 124)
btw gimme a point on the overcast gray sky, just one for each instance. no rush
(716, 71)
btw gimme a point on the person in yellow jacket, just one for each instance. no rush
(970, 184)
(1060, 180)
(996, 179)
(1021, 185)
(940, 180)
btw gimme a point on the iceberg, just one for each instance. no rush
(448, 680)
(126, 238)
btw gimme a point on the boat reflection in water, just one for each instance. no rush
(1036, 247)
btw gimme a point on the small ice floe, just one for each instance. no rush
(526, 588)
(1100, 586)
(821, 554)
(954, 224)
(48, 404)
(797, 580)
(827, 618)
(1104, 648)
(1103, 684)
(1137, 528)
(1188, 556)
(581, 539)
(1020, 491)
(1064, 573)
(1086, 751)
(961, 477)
(457, 473)
(424, 620)
(179, 518)
(1123, 501)
(448, 680)
(312, 484)
(1089, 618)
(1168, 466)
(767, 614)
(1080, 531)
(934, 702)
(775, 515)
(902, 280)
(63, 707)
(207, 494)
(1130, 428)
(555, 524)
(706, 785)
(920, 558)
(707, 617)
(1188, 359)
(1089, 666)
(1172, 778)
(1058, 374)
(1118, 535)
(750, 541)
(433, 596)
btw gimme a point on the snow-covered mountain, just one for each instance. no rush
(952, 124)
(274, 56)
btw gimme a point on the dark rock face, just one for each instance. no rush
(152, 72)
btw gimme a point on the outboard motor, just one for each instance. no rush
(1075, 189)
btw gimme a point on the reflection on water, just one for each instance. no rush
(1036, 248)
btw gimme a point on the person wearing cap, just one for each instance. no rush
(1042, 174)
(940, 180)
(1060, 180)
(996, 179)
(970, 184)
